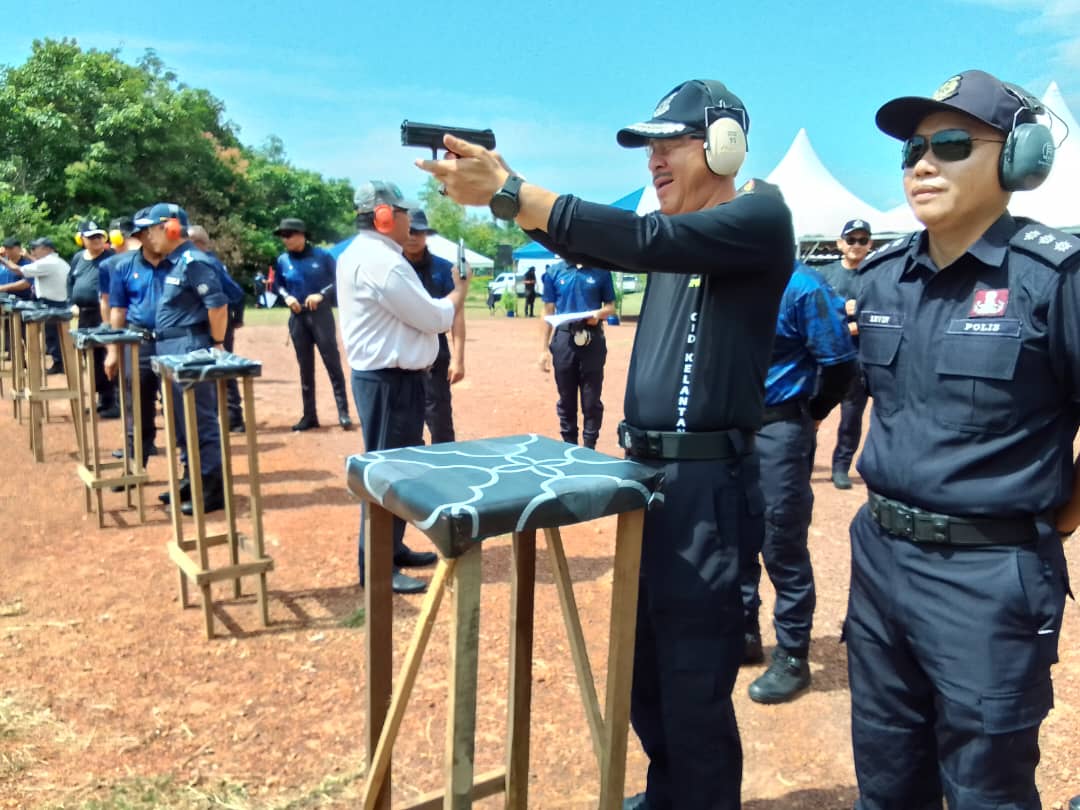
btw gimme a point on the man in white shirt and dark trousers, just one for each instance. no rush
(49, 273)
(390, 327)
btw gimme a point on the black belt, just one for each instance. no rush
(146, 332)
(170, 332)
(668, 444)
(788, 409)
(579, 326)
(915, 524)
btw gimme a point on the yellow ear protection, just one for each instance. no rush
(116, 238)
(384, 218)
(78, 239)
(1028, 152)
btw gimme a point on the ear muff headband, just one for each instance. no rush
(384, 218)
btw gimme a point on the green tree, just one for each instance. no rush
(482, 232)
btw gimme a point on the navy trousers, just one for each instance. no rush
(205, 408)
(786, 452)
(949, 655)
(52, 336)
(579, 369)
(309, 329)
(438, 409)
(852, 407)
(232, 387)
(148, 383)
(390, 404)
(90, 317)
(690, 632)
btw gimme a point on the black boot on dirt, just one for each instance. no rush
(785, 678)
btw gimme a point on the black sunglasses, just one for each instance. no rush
(857, 240)
(949, 144)
(287, 234)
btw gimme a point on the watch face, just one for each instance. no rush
(505, 205)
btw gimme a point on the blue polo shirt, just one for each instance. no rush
(192, 286)
(577, 289)
(136, 285)
(810, 332)
(310, 271)
(233, 291)
(7, 277)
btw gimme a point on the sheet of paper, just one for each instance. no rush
(558, 320)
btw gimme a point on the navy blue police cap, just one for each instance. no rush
(682, 111)
(855, 225)
(973, 92)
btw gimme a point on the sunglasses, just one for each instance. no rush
(949, 145)
(287, 234)
(857, 240)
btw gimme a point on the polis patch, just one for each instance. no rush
(998, 327)
(989, 303)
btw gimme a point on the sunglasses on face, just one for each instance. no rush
(857, 240)
(949, 145)
(287, 234)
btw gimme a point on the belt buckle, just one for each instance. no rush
(654, 444)
(903, 521)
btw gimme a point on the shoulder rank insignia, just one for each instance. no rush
(891, 249)
(1049, 244)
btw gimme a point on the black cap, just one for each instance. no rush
(973, 92)
(125, 225)
(12, 241)
(42, 241)
(418, 222)
(291, 224)
(755, 185)
(855, 225)
(682, 111)
(89, 227)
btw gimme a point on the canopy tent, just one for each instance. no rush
(1056, 202)
(532, 251)
(819, 203)
(438, 245)
(897, 220)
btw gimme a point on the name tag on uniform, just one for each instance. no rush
(892, 320)
(171, 280)
(1001, 327)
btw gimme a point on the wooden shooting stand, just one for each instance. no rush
(460, 494)
(35, 390)
(186, 371)
(129, 472)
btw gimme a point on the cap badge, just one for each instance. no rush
(664, 105)
(948, 89)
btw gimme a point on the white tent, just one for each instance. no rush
(897, 220)
(819, 203)
(445, 249)
(1057, 201)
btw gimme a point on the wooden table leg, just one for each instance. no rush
(256, 496)
(172, 453)
(379, 635)
(522, 593)
(227, 481)
(136, 425)
(464, 659)
(624, 596)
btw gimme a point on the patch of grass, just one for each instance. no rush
(355, 619)
(18, 725)
(12, 608)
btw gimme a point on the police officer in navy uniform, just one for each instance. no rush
(969, 337)
(192, 314)
(436, 274)
(578, 349)
(304, 277)
(813, 361)
(694, 399)
(844, 277)
(136, 281)
(84, 292)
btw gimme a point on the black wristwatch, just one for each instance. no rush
(505, 204)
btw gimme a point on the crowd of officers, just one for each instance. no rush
(966, 335)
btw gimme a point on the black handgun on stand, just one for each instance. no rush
(431, 136)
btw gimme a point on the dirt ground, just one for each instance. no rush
(110, 695)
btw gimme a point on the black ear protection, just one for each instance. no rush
(1028, 152)
(725, 136)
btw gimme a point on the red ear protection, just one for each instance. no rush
(384, 218)
(173, 229)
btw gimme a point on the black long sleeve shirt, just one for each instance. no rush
(705, 333)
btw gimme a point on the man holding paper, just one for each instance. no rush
(577, 300)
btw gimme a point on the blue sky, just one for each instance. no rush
(555, 80)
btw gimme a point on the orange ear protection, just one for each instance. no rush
(174, 229)
(384, 218)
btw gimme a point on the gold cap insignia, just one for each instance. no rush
(947, 90)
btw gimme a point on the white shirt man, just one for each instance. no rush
(48, 270)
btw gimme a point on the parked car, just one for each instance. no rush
(504, 280)
(630, 283)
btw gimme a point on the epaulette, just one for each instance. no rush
(1052, 246)
(890, 250)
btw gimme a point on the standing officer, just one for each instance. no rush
(969, 336)
(812, 341)
(390, 325)
(83, 292)
(843, 276)
(136, 282)
(11, 282)
(694, 396)
(122, 241)
(578, 349)
(192, 314)
(304, 276)
(235, 293)
(529, 280)
(436, 274)
(49, 273)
